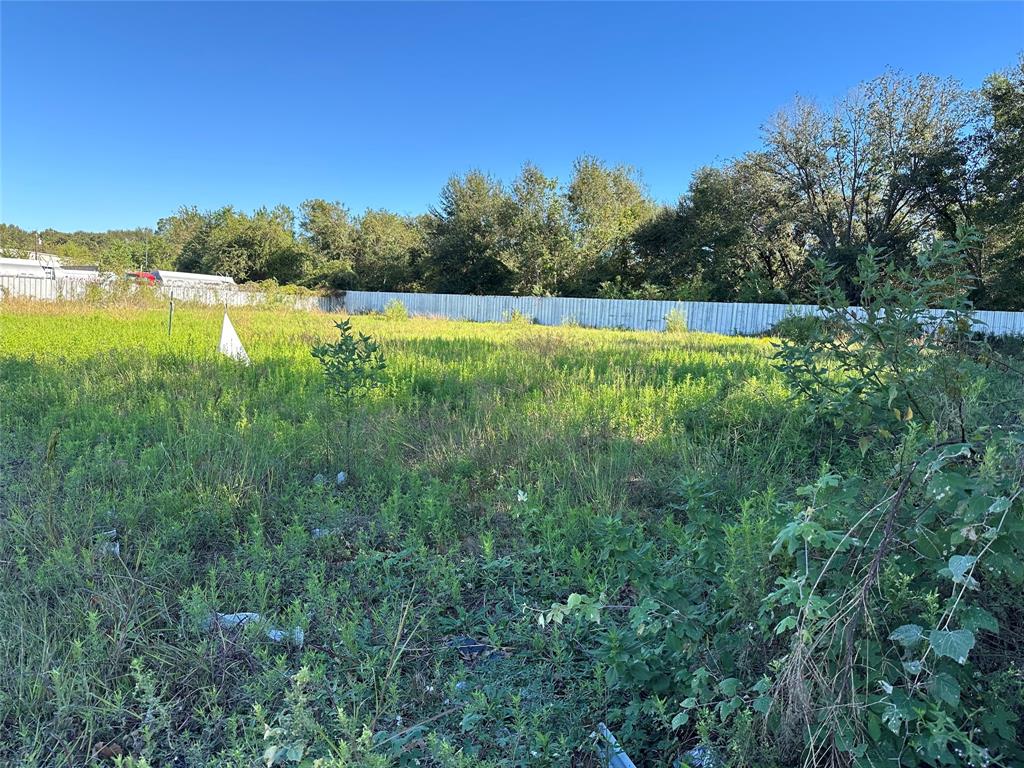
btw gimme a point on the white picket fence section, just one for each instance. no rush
(731, 319)
(709, 316)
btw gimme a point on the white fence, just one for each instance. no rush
(67, 289)
(709, 316)
(44, 288)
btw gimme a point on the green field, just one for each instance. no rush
(500, 469)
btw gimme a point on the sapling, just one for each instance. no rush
(353, 367)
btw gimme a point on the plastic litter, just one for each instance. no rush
(700, 757)
(474, 650)
(319, 479)
(111, 547)
(609, 751)
(342, 477)
(294, 636)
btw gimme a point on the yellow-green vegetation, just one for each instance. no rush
(488, 474)
(508, 487)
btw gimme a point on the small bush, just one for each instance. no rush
(675, 321)
(797, 328)
(352, 366)
(395, 310)
(515, 317)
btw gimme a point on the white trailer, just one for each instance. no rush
(25, 268)
(89, 274)
(192, 279)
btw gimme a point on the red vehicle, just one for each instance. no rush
(143, 278)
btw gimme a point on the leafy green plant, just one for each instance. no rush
(395, 311)
(675, 321)
(649, 473)
(893, 578)
(352, 367)
(798, 328)
(848, 619)
(515, 317)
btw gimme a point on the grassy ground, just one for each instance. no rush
(490, 477)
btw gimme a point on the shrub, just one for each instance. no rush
(895, 578)
(858, 619)
(396, 311)
(797, 328)
(352, 367)
(675, 321)
(515, 317)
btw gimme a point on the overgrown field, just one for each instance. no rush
(499, 470)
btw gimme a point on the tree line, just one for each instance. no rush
(897, 163)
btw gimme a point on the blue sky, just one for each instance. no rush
(113, 115)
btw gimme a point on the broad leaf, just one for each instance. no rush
(960, 565)
(908, 635)
(975, 619)
(944, 687)
(729, 686)
(954, 644)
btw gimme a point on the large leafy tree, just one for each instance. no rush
(1001, 190)
(856, 170)
(177, 229)
(540, 241)
(388, 251)
(469, 237)
(605, 206)
(257, 247)
(328, 232)
(731, 237)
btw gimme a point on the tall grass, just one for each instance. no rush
(488, 473)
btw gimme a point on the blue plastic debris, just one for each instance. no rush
(111, 547)
(474, 650)
(699, 757)
(294, 636)
(609, 751)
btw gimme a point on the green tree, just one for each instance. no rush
(14, 238)
(731, 238)
(855, 170)
(1001, 190)
(119, 257)
(605, 206)
(72, 253)
(257, 247)
(469, 236)
(177, 229)
(388, 251)
(353, 366)
(540, 241)
(328, 231)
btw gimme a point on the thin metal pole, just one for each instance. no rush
(170, 315)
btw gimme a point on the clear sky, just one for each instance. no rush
(113, 115)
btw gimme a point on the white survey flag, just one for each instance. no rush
(230, 344)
